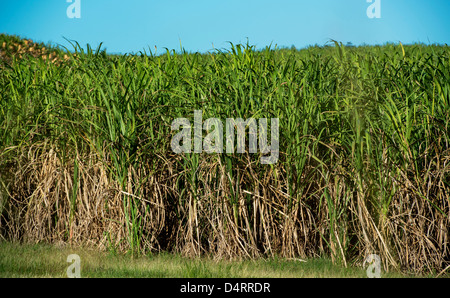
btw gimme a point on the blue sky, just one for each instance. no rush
(135, 25)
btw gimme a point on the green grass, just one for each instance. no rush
(40, 260)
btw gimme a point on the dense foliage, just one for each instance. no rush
(364, 165)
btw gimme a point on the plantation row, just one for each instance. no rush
(363, 166)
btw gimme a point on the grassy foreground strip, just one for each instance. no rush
(41, 260)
